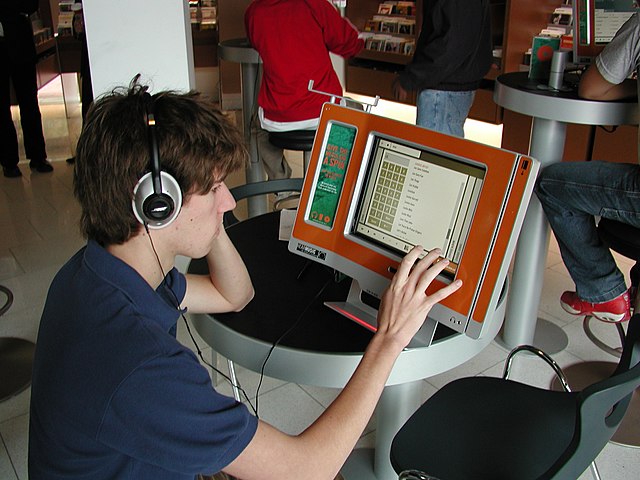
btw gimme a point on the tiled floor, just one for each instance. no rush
(38, 232)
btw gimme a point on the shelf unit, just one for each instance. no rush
(371, 72)
(514, 24)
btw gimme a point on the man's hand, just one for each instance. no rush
(405, 304)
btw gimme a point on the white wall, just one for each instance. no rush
(151, 37)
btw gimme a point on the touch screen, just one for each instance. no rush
(330, 180)
(417, 197)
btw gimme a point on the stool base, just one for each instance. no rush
(16, 361)
(547, 336)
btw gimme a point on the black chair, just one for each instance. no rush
(16, 357)
(300, 140)
(495, 428)
(264, 188)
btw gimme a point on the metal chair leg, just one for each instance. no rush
(234, 381)
(415, 475)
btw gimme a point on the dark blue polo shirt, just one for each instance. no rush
(114, 394)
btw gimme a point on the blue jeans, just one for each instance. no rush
(444, 111)
(572, 194)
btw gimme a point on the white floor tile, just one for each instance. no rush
(616, 462)
(9, 266)
(16, 439)
(289, 408)
(15, 406)
(486, 359)
(7, 471)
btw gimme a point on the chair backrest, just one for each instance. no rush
(261, 188)
(601, 409)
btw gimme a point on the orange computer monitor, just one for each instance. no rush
(375, 187)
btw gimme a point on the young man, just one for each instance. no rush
(453, 54)
(573, 193)
(114, 394)
(294, 39)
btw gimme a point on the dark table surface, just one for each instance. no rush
(290, 291)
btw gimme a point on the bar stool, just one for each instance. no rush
(16, 358)
(625, 240)
(299, 140)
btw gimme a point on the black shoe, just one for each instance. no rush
(12, 172)
(41, 166)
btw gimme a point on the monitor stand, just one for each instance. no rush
(354, 308)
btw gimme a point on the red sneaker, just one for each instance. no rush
(613, 311)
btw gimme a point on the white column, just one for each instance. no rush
(150, 37)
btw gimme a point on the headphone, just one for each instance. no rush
(157, 197)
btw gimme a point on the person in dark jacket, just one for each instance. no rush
(18, 65)
(453, 54)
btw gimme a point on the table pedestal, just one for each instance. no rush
(396, 405)
(547, 145)
(551, 112)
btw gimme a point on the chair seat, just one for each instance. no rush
(620, 237)
(454, 436)
(293, 140)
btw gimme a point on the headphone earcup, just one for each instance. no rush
(157, 210)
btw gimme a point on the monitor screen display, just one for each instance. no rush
(596, 23)
(417, 197)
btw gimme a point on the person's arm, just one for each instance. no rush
(340, 35)
(228, 286)
(593, 86)
(608, 78)
(320, 451)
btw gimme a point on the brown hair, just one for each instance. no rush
(198, 145)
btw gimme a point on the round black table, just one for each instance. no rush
(322, 347)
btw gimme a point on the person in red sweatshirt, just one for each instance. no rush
(294, 39)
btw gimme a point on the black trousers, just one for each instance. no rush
(19, 67)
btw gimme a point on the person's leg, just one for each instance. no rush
(8, 135)
(272, 157)
(26, 88)
(444, 111)
(572, 194)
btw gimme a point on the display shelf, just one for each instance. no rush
(384, 57)
(514, 24)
